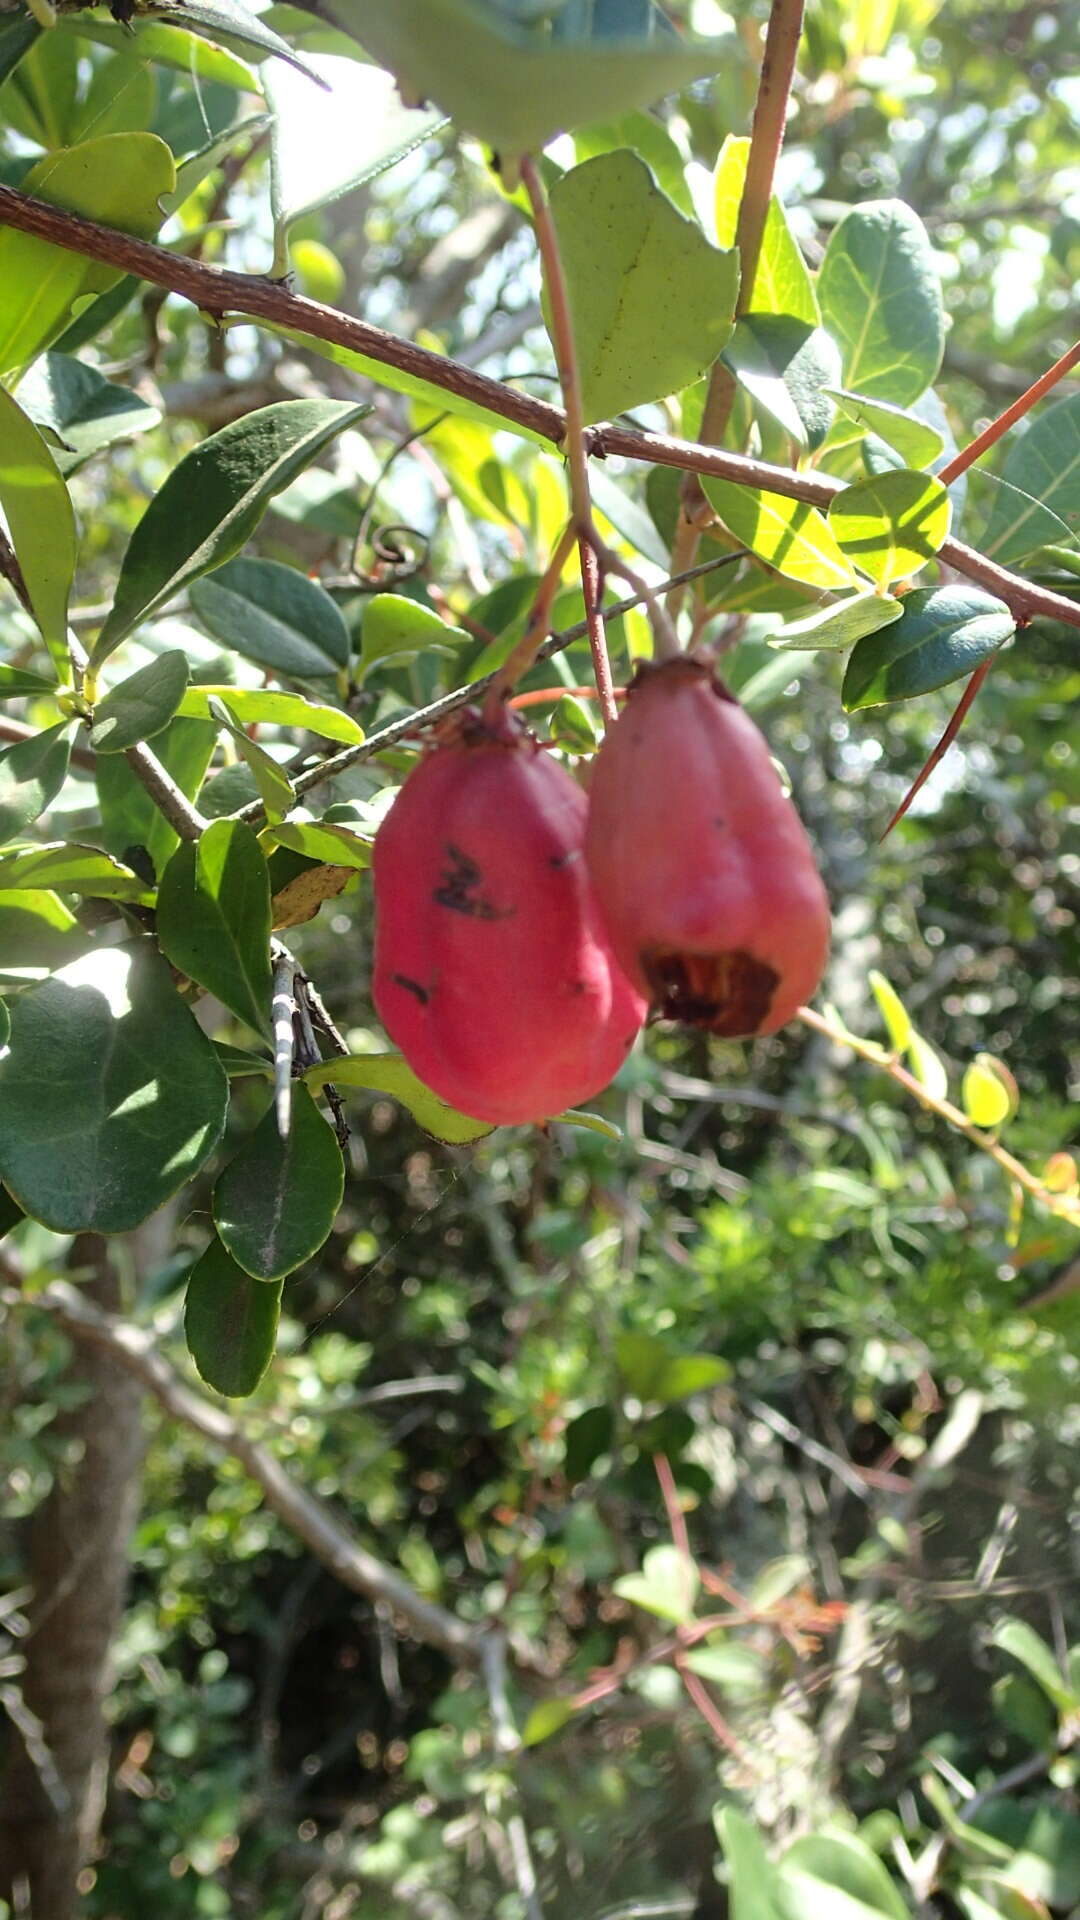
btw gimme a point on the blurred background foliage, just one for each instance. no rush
(815, 1308)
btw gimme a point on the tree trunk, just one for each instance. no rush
(51, 1801)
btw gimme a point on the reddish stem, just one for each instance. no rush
(592, 591)
(961, 461)
(962, 709)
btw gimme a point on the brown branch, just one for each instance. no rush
(218, 291)
(167, 797)
(306, 1516)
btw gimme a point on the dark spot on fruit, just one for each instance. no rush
(558, 860)
(412, 986)
(726, 993)
(460, 889)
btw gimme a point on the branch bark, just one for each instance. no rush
(218, 291)
(133, 1351)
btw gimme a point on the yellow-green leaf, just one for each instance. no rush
(891, 525)
(892, 1010)
(789, 535)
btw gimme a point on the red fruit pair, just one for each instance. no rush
(493, 970)
(523, 932)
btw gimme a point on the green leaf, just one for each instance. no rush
(835, 1876)
(751, 1874)
(943, 634)
(141, 706)
(323, 840)
(247, 705)
(40, 518)
(395, 626)
(239, 1063)
(231, 25)
(652, 303)
(111, 1097)
(927, 1066)
(789, 535)
(786, 366)
(782, 283)
(892, 525)
(1022, 1643)
(16, 683)
(389, 1073)
(69, 868)
(1018, 525)
(839, 624)
(364, 128)
(1043, 463)
(988, 1098)
(572, 726)
(11, 1214)
(667, 1585)
(31, 775)
(117, 180)
(651, 1372)
(892, 1010)
(735, 1669)
(273, 783)
(213, 501)
(516, 86)
(274, 615)
(230, 1323)
(917, 444)
(129, 816)
(169, 46)
(37, 930)
(651, 140)
(275, 1203)
(880, 297)
(546, 1718)
(18, 32)
(79, 410)
(214, 918)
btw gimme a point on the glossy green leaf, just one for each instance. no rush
(1018, 526)
(111, 1097)
(17, 683)
(120, 97)
(38, 931)
(397, 627)
(321, 840)
(78, 411)
(141, 706)
(230, 1323)
(917, 443)
(892, 525)
(18, 32)
(31, 775)
(786, 365)
(667, 1585)
(892, 1010)
(272, 783)
(231, 25)
(364, 128)
(128, 814)
(275, 1203)
(880, 297)
(839, 624)
(943, 634)
(651, 1372)
(782, 283)
(214, 918)
(389, 1073)
(261, 705)
(40, 518)
(274, 615)
(169, 46)
(1043, 463)
(986, 1096)
(515, 86)
(40, 103)
(652, 303)
(792, 537)
(69, 868)
(835, 1876)
(213, 501)
(118, 180)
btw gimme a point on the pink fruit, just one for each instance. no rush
(700, 863)
(493, 972)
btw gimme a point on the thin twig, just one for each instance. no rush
(507, 1743)
(961, 461)
(593, 592)
(1064, 1205)
(333, 1544)
(164, 792)
(282, 1009)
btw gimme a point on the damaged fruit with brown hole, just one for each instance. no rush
(493, 971)
(700, 862)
